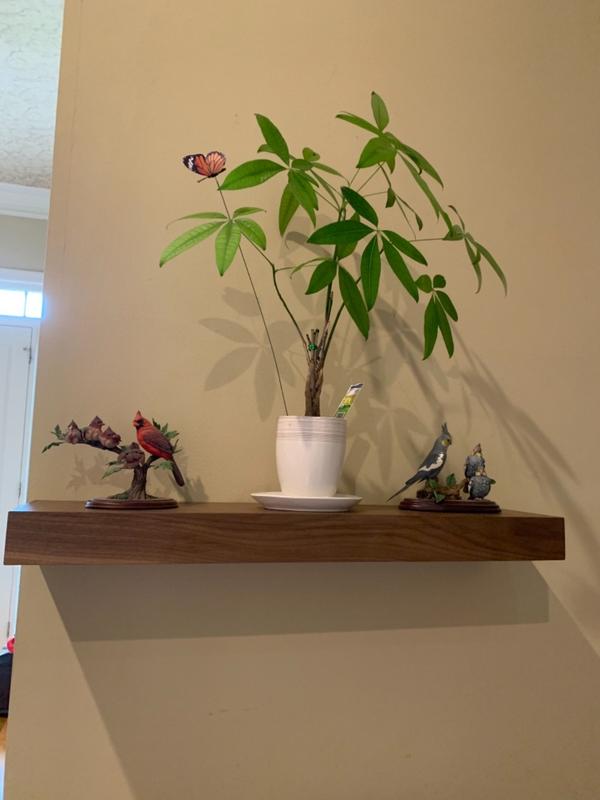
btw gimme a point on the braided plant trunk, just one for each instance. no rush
(316, 352)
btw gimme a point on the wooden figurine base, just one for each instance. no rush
(131, 505)
(450, 506)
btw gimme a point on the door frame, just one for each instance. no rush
(32, 280)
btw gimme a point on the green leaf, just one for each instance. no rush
(360, 205)
(321, 181)
(265, 148)
(494, 265)
(475, 258)
(309, 154)
(377, 151)
(390, 198)
(51, 445)
(439, 211)
(252, 231)
(251, 173)
(445, 329)
(297, 268)
(304, 193)
(353, 301)
(345, 232)
(288, 206)
(405, 247)
(308, 176)
(358, 121)
(421, 162)
(400, 269)
(370, 271)
(439, 282)
(462, 222)
(226, 245)
(418, 219)
(451, 480)
(323, 275)
(301, 163)
(430, 326)
(273, 138)
(326, 168)
(245, 210)
(380, 112)
(424, 283)
(448, 305)
(454, 235)
(201, 215)
(188, 239)
(344, 250)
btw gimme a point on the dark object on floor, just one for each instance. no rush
(6, 660)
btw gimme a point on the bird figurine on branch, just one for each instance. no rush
(153, 441)
(474, 463)
(432, 464)
(158, 440)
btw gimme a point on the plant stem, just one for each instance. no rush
(332, 331)
(372, 175)
(274, 272)
(262, 316)
(398, 203)
(322, 196)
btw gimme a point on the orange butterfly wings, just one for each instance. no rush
(209, 165)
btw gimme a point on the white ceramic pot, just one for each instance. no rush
(310, 453)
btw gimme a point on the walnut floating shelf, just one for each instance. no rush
(49, 532)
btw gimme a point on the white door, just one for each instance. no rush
(15, 361)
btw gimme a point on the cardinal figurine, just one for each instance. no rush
(156, 443)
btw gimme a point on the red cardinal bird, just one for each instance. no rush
(156, 443)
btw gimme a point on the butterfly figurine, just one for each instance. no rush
(209, 165)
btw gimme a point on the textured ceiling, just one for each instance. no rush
(29, 58)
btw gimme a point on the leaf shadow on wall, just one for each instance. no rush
(385, 425)
(547, 465)
(251, 350)
(87, 471)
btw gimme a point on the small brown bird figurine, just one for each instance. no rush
(156, 443)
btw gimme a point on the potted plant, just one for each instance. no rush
(357, 245)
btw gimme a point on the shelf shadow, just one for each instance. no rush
(190, 601)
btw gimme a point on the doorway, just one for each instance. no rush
(16, 349)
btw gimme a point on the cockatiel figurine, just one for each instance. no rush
(433, 463)
(156, 443)
(474, 463)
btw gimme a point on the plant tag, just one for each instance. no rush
(349, 398)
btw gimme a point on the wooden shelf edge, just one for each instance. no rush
(64, 533)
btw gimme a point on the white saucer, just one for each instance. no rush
(277, 501)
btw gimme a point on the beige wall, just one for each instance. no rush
(437, 681)
(22, 242)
